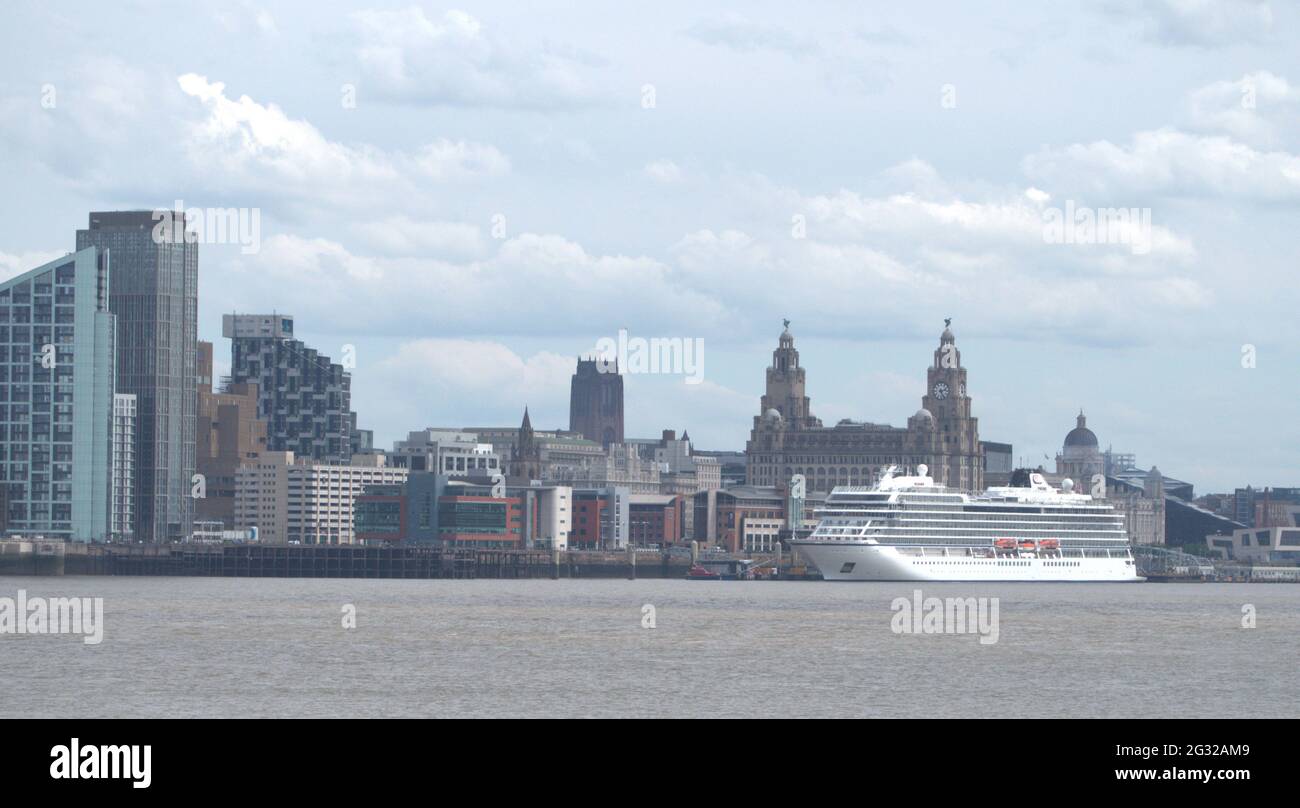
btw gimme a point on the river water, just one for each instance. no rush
(179, 647)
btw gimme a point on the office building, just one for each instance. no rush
(154, 294)
(299, 501)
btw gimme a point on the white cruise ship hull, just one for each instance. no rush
(867, 562)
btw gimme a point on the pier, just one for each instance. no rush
(327, 561)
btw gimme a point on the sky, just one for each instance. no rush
(466, 197)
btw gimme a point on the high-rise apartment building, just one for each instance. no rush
(305, 398)
(154, 294)
(123, 489)
(56, 398)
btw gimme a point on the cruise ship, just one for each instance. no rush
(908, 528)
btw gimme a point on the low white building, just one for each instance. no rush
(305, 503)
(445, 451)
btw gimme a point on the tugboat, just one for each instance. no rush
(698, 573)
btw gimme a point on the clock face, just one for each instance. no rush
(941, 391)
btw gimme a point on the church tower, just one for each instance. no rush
(527, 459)
(954, 439)
(596, 403)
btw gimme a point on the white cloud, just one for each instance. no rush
(402, 235)
(1203, 23)
(455, 60)
(1169, 162)
(12, 264)
(1254, 109)
(664, 171)
(257, 145)
(746, 36)
(532, 284)
(840, 60)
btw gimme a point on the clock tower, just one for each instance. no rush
(954, 440)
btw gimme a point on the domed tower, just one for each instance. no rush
(783, 409)
(785, 385)
(953, 441)
(1080, 456)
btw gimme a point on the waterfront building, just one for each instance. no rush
(1275, 543)
(601, 518)
(463, 512)
(122, 494)
(296, 500)
(229, 435)
(154, 295)
(740, 519)
(57, 353)
(596, 402)
(304, 396)
(788, 440)
(656, 520)
(445, 451)
(524, 518)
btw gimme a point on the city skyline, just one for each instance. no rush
(921, 177)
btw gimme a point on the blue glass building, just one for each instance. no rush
(57, 366)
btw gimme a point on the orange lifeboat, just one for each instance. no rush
(1028, 544)
(1004, 544)
(1050, 544)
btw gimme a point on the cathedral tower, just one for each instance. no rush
(596, 403)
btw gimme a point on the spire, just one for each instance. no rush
(527, 424)
(1082, 420)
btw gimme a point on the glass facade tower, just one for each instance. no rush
(155, 297)
(57, 341)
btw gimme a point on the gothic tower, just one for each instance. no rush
(954, 439)
(527, 460)
(596, 402)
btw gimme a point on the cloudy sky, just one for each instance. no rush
(471, 195)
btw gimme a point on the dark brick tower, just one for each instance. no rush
(596, 402)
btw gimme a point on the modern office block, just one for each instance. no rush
(154, 294)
